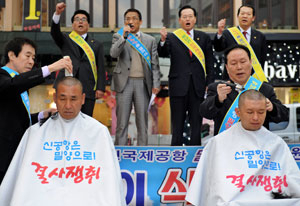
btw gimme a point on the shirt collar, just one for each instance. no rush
(138, 34)
(191, 33)
(84, 36)
(248, 30)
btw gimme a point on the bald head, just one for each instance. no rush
(69, 81)
(68, 97)
(251, 94)
(252, 109)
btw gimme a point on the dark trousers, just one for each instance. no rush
(88, 107)
(179, 107)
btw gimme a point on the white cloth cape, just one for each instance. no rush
(210, 187)
(22, 186)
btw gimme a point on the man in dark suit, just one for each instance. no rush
(257, 40)
(220, 96)
(92, 78)
(16, 77)
(188, 76)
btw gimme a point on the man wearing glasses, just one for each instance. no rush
(136, 76)
(85, 52)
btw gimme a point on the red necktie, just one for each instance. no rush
(191, 54)
(245, 34)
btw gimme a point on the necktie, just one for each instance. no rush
(245, 34)
(191, 54)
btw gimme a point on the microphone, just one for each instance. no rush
(126, 32)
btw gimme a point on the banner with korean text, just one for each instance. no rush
(161, 175)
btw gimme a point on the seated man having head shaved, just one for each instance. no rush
(68, 160)
(246, 165)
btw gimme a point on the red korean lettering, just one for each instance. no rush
(91, 172)
(42, 170)
(79, 174)
(173, 182)
(267, 182)
(53, 173)
(237, 181)
(278, 182)
(61, 172)
(70, 172)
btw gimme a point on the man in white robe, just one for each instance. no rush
(246, 163)
(68, 160)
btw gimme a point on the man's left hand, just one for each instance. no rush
(99, 94)
(49, 112)
(269, 105)
(155, 90)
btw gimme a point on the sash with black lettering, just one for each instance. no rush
(88, 51)
(24, 95)
(240, 39)
(139, 46)
(192, 46)
(231, 118)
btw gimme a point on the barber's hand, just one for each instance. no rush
(99, 94)
(269, 105)
(48, 112)
(155, 90)
(221, 26)
(64, 63)
(163, 34)
(223, 90)
(60, 7)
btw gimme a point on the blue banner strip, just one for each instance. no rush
(161, 175)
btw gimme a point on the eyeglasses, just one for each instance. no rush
(77, 19)
(133, 19)
(187, 17)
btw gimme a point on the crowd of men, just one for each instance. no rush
(193, 92)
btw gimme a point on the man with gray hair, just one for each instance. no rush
(68, 160)
(246, 164)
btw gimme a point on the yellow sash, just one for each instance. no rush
(240, 39)
(88, 51)
(191, 45)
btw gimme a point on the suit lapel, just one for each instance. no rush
(253, 36)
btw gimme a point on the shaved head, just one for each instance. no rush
(68, 97)
(69, 81)
(252, 109)
(250, 94)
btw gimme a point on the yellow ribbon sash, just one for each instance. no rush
(240, 39)
(88, 51)
(191, 45)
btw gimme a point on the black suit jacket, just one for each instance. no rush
(81, 65)
(183, 66)
(211, 108)
(14, 119)
(257, 42)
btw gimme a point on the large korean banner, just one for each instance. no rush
(32, 19)
(162, 175)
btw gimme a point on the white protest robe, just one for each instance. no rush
(225, 177)
(35, 178)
